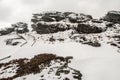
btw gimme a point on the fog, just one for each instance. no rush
(12, 11)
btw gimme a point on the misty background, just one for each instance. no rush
(12, 11)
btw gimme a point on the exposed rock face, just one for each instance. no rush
(113, 16)
(87, 29)
(59, 16)
(51, 22)
(48, 17)
(66, 25)
(78, 18)
(20, 27)
(45, 28)
(6, 31)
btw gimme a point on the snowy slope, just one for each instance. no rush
(96, 56)
(95, 63)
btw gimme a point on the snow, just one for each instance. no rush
(115, 12)
(79, 51)
(95, 63)
(98, 68)
(8, 72)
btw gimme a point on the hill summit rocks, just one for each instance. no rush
(113, 16)
(19, 27)
(60, 26)
(51, 22)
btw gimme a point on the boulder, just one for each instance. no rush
(59, 16)
(78, 18)
(52, 22)
(6, 31)
(48, 17)
(87, 28)
(113, 16)
(20, 27)
(46, 28)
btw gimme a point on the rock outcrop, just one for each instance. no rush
(87, 28)
(51, 22)
(78, 18)
(6, 31)
(65, 26)
(20, 27)
(46, 28)
(113, 16)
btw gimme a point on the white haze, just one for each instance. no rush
(12, 11)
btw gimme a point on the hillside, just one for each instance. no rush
(61, 46)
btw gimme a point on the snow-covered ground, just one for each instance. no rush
(95, 63)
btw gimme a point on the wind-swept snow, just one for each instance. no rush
(95, 55)
(100, 63)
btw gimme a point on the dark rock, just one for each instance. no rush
(78, 18)
(66, 79)
(94, 44)
(110, 24)
(69, 57)
(15, 43)
(67, 13)
(77, 75)
(116, 37)
(62, 71)
(44, 23)
(113, 16)
(113, 44)
(58, 17)
(47, 19)
(6, 31)
(52, 39)
(9, 42)
(12, 42)
(44, 28)
(42, 75)
(60, 39)
(96, 21)
(86, 28)
(21, 27)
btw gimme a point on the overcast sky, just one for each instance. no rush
(12, 11)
